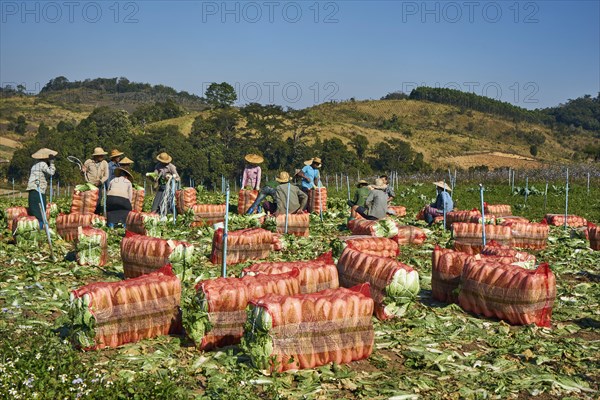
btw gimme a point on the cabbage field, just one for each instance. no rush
(432, 351)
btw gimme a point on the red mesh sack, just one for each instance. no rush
(143, 223)
(461, 216)
(400, 211)
(468, 236)
(185, 199)
(95, 250)
(298, 224)
(317, 200)
(499, 210)
(242, 245)
(445, 275)
(376, 246)
(410, 235)
(67, 224)
(137, 200)
(528, 235)
(84, 202)
(573, 221)
(494, 248)
(245, 199)
(13, 212)
(594, 235)
(208, 214)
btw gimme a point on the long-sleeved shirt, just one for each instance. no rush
(441, 199)
(165, 169)
(251, 177)
(360, 196)
(111, 170)
(389, 191)
(40, 171)
(310, 173)
(298, 198)
(95, 172)
(376, 203)
(120, 186)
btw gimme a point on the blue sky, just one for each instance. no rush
(530, 53)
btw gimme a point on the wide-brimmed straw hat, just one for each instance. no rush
(283, 177)
(362, 182)
(115, 153)
(443, 185)
(308, 162)
(254, 158)
(126, 161)
(99, 151)
(43, 154)
(164, 158)
(316, 160)
(379, 184)
(123, 171)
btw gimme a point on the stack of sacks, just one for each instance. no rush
(446, 269)
(137, 199)
(13, 212)
(306, 331)
(245, 199)
(242, 245)
(85, 198)
(559, 220)
(493, 248)
(499, 210)
(317, 200)
(468, 236)
(68, 224)
(207, 214)
(91, 246)
(217, 313)
(110, 314)
(185, 199)
(375, 246)
(528, 235)
(298, 224)
(393, 285)
(315, 275)
(143, 223)
(144, 254)
(514, 294)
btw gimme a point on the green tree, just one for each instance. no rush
(21, 125)
(360, 144)
(220, 95)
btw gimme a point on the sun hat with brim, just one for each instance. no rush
(379, 184)
(283, 177)
(115, 153)
(308, 162)
(123, 171)
(126, 161)
(254, 158)
(316, 160)
(99, 151)
(164, 158)
(443, 185)
(44, 153)
(362, 182)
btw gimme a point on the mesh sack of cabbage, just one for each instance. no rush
(468, 236)
(51, 212)
(594, 235)
(315, 275)
(242, 245)
(215, 315)
(528, 235)
(110, 314)
(408, 234)
(84, 199)
(245, 200)
(306, 331)
(381, 228)
(490, 219)
(398, 211)
(511, 218)
(298, 224)
(317, 200)
(67, 224)
(91, 247)
(494, 248)
(517, 295)
(13, 212)
(394, 286)
(184, 199)
(207, 214)
(446, 268)
(144, 223)
(573, 221)
(26, 231)
(461, 216)
(137, 198)
(499, 210)
(376, 246)
(144, 254)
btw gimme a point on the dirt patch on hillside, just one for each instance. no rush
(4, 141)
(494, 160)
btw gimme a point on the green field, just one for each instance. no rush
(434, 351)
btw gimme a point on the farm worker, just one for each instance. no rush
(95, 171)
(118, 197)
(310, 174)
(115, 158)
(252, 172)
(297, 201)
(164, 171)
(389, 192)
(126, 163)
(41, 171)
(376, 202)
(361, 194)
(442, 201)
